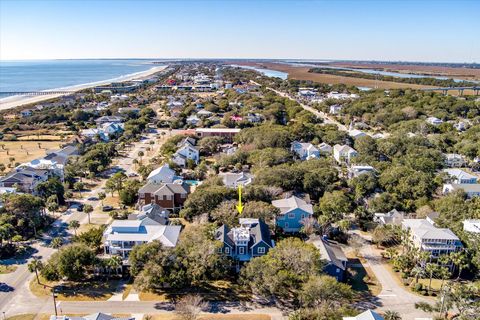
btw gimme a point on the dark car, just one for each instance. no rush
(80, 207)
(92, 199)
(107, 208)
(5, 287)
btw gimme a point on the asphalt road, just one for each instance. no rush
(20, 299)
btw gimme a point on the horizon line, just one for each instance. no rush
(270, 59)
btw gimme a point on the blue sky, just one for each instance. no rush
(381, 30)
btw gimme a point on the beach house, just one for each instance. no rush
(344, 153)
(357, 170)
(292, 211)
(426, 237)
(335, 261)
(454, 160)
(251, 239)
(305, 151)
(471, 190)
(122, 235)
(471, 225)
(186, 151)
(233, 180)
(458, 176)
(170, 196)
(434, 121)
(162, 174)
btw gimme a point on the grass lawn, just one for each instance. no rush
(220, 290)
(45, 316)
(24, 151)
(436, 283)
(27, 316)
(236, 317)
(362, 279)
(76, 291)
(42, 137)
(7, 269)
(170, 316)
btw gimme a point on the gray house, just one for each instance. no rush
(251, 239)
(332, 254)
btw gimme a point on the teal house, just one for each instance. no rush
(292, 211)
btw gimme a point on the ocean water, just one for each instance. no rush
(266, 72)
(26, 76)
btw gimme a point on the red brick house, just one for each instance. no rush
(170, 196)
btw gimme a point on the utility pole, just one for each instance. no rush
(54, 301)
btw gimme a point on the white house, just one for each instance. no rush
(344, 153)
(392, 217)
(472, 190)
(454, 160)
(162, 174)
(118, 97)
(357, 170)
(341, 96)
(305, 151)
(367, 315)
(204, 113)
(459, 176)
(193, 120)
(233, 180)
(355, 133)
(426, 237)
(186, 152)
(122, 235)
(325, 148)
(434, 121)
(335, 109)
(471, 225)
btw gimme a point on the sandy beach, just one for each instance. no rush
(17, 101)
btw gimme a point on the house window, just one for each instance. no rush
(220, 250)
(227, 250)
(183, 195)
(291, 215)
(261, 250)
(241, 250)
(286, 225)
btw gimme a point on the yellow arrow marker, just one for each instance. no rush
(240, 206)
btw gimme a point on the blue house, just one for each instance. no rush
(292, 211)
(335, 260)
(251, 239)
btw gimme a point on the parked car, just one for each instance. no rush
(132, 174)
(80, 207)
(107, 208)
(92, 199)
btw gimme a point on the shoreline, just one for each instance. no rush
(18, 101)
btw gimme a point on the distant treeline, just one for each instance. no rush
(422, 81)
(409, 63)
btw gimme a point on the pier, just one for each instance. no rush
(33, 93)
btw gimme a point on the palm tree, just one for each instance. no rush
(113, 263)
(140, 155)
(74, 224)
(56, 243)
(391, 315)
(102, 196)
(88, 209)
(459, 260)
(431, 268)
(418, 271)
(35, 265)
